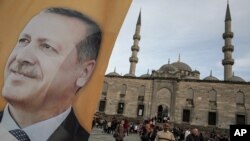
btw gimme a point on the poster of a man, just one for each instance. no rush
(54, 57)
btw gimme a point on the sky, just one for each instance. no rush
(191, 28)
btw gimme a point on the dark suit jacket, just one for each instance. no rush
(191, 137)
(69, 130)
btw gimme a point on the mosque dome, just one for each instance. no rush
(145, 76)
(181, 66)
(168, 68)
(211, 77)
(196, 71)
(113, 74)
(236, 79)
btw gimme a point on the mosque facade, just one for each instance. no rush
(176, 91)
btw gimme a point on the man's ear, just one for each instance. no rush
(86, 70)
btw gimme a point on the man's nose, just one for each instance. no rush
(26, 55)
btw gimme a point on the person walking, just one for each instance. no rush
(165, 135)
(119, 131)
(187, 132)
(194, 136)
(126, 126)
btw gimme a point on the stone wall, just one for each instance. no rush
(225, 108)
(194, 95)
(131, 97)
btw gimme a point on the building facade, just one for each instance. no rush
(176, 91)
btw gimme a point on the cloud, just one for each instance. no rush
(243, 62)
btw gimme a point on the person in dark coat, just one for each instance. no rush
(119, 131)
(194, 136)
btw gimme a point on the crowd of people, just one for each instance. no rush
(151, 130)
(118, 128)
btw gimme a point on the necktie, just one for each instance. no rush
(20, 135)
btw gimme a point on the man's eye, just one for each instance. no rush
(23, 40)
(46, 46)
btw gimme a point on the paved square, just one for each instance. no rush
(97, 135)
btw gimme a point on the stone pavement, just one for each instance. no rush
(97, 135)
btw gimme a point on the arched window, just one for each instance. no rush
(141, 93)
(162, 113)
(186, 115)
(240, 98)
(140, 110)
(123, 89)
(105, 89)
(102, 105)
(190, 94)
(120, 108)
(142, 90)
(190, 97)
(102, 102)
(212, 95)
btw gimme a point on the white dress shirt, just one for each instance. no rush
(39, 131)
(5, 135)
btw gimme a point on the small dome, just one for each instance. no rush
(113, 74)
(236, 79)
(129, 75)
(196, 71)
(145, 76)
(211, 78)
(168, 68)
(182, 66)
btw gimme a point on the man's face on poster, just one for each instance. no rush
(43, 67)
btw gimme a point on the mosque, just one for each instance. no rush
(176, 91)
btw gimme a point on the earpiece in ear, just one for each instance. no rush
(80, 82)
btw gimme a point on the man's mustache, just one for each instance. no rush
(25, 69)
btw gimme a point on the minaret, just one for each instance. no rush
(228, 48)
(135, 47)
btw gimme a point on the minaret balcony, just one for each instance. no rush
(133, 59)
(227, 61)
(228, 48)
(135, 48)
(228, 35)
(137, 37)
